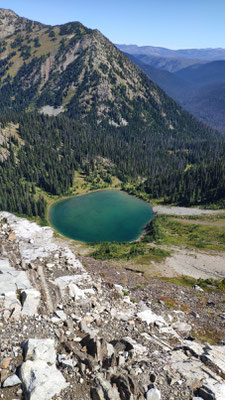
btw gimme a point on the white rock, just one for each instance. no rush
(153, 394)
(110, 349)
(31, 301)
(138, 348)
(60, 314)
(150, 317)
(12, 284)
(215, 355)
(50, 265)
(4, 263)
(40, 349)
(196, 349)
(216, 389)
(65, 362)
(68, 284)
(55, 320)
(198, 288)
(41, 381)
(182, 327)
(119, 289)
(169, 331)
(122, 315)
(35, 241)
(12, 380)
(39, 374)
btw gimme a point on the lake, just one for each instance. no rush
(104, 216)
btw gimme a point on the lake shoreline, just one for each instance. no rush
(124, 210)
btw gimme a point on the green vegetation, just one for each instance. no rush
(127, 251)
(174, 233)
(175, 305)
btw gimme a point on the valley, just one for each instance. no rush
(197, 84)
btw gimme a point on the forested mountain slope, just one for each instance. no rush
(171, 83)
(108, 108)
(203, 74)
(79, 69)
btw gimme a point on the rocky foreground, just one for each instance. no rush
(68, 332)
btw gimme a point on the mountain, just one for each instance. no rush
(207, 103)
(159, 57)
(198, 88)
(206, 100)
(172, 60)
(171, 83)
(170, 64)
(79, 72)
(69, 98)
(197, 54)
(75, 68)
(204, 74)
(11, 23)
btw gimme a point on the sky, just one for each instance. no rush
(175, 24)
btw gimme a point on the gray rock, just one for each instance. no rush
(104, 390)
(205, 393)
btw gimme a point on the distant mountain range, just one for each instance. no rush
(195, 78)
(195, 54)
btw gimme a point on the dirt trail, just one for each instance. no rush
(185, 211)
(194, 222)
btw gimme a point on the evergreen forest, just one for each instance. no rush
(179, 169)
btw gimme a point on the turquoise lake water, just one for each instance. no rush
(104, 216)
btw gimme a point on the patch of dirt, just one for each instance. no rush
(194, 264)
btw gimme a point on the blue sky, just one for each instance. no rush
(167, 23)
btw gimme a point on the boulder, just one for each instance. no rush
(39, 375)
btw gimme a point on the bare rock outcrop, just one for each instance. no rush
(85, 338)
